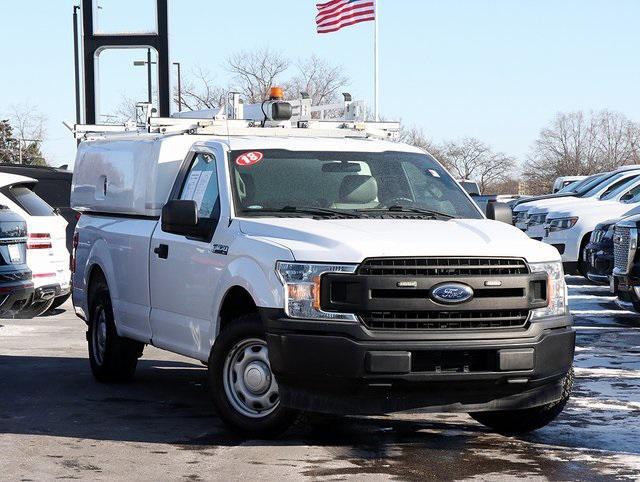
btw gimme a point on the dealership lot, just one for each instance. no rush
(56, 422)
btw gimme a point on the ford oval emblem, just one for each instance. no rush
(451, 293)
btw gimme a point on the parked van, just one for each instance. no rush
(313, 266)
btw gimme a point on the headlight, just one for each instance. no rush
(301, 283)
(597, 235)
(556, 290)
(560, 224)
(520, 216)
(537, 219)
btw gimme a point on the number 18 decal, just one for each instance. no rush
(249, 158)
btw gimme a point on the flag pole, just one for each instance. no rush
(375, 63)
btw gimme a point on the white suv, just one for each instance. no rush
(47, 255)
(569, 229)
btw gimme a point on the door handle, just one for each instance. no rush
(162, 251)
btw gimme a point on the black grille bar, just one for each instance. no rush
(444, 320)
(442, 267)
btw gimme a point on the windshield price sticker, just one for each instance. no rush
(249, 158)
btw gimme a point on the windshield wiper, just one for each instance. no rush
(313, 211)
(407, 209)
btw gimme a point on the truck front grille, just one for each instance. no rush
(442, 267)
(444, 320)
(399, 293)
(621, 244)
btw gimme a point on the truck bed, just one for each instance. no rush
(128, 241)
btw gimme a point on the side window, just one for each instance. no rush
(631, 195)
(201, 185)
(613, 187)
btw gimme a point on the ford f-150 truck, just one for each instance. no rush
(313, 266)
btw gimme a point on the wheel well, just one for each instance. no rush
(237, 302)
(583, 244)
(96, 274)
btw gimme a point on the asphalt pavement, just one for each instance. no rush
(56, 422)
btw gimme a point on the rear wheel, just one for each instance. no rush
(513, 422)
(113, 358)
(242, 385)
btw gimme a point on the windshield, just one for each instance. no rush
(594, 188)
(349, 183)
(615, 190)
(569, 187)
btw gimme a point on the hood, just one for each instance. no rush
(352, 240)
(549, 204)
(523, 202)
(565, 205)
(601, 210)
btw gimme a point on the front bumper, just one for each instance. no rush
(348, 369)
(536, 231)
(567, 244)
(627, 287)
(599, 258)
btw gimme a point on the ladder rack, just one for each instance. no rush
(215, 122)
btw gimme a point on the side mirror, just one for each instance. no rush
(180, 217)
(499, 212)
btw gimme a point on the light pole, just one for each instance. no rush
(149, 63)
(177, 64)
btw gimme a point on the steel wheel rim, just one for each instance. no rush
(249, 383)
(99, 338)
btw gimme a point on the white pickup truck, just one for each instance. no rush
(314, 267)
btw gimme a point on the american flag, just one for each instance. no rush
(336, 14)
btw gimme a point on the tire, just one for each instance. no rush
(113, 358)
(59, 301)
(34, 309)
(249, 404)
(516, 422)
(583, 264)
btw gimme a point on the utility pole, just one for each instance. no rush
(150, 95)
(177, 64)
(76, 60)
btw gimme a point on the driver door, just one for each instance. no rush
(184, 270)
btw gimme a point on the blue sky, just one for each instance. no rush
(498, 70)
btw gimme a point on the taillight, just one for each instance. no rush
(74, 246)
(39, 241)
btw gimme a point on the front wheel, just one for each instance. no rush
(515, 422)
(243, 388)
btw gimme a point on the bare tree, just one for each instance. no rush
(27, 122)
(415, 136)
(254, 72)
(321, 80)
(28, 130)
(200, 91)
(579, 144)
(124, 112)
(470, 158)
